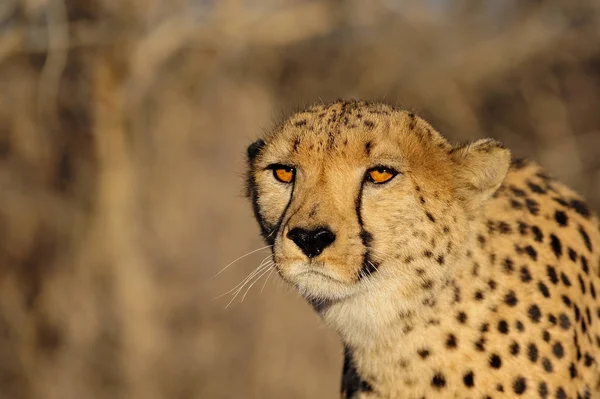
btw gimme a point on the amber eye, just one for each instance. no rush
(284, 174)
(381, 174)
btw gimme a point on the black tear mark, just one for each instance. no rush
(352, 382)
(267, 230)
(369, 266)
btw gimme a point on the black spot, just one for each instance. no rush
(532, 352)
(580, 207)
(565, 279)
(581, 284)
(584, 265)
(534, 313)
(511, 299)
(424, 353)
(532, 206)
(543, 289)
(369, 124)
(504, 228)
(516, 204)
(480, 344)
(427, 253)
(558, 350)
(461, 317)
(368, 147)
(556, 245)
(531, 252)
(547, 365)
(560, 393)
(427, 284)
(478, 295)
(514, 348)
(520, 326)
(565, 323)
(546, 336)
(586, 238)
(451, 342)
(525, 275)
(519, 385)
(440, 259)
(430, 216)
(438, 381)
(300, 123)
(572, 370)
(508, 265)
(469, 379)
(535, 188)
(566, 300)
(572, 254)
(495, 361)
(588, 360)
(518, 192)
(552, 274)
(543, 390)
(503, 326)
(492, 284)
(561, 218)
(537, 234)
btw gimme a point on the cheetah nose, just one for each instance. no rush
(312, 242)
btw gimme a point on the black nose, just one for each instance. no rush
(312, 242)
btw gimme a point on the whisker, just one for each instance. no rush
(259, 268)
(267, 279)
(255, 281)
(237, 292)
(241, 257)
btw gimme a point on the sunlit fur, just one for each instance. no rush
(403, 250)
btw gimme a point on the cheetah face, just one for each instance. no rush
(354, 205)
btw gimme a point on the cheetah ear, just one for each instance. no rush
(480, 168)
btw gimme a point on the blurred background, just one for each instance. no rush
(123, 130)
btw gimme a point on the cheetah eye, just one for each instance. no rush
(381, 174)
(283, 173)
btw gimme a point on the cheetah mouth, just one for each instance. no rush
(313, 271)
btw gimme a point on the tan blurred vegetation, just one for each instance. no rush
(123, 128)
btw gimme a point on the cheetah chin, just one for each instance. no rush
(447, 270)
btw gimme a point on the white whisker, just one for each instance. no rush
(255, 281)
(267, 279)
(260, 267)
(248, 280)
(241, 257)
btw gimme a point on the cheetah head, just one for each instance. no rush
(356, 197)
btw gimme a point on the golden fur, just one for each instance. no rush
(440, 282)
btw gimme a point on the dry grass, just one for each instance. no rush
(123, 125)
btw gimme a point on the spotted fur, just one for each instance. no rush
(464, 276)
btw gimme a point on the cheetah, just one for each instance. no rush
(448, 271)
